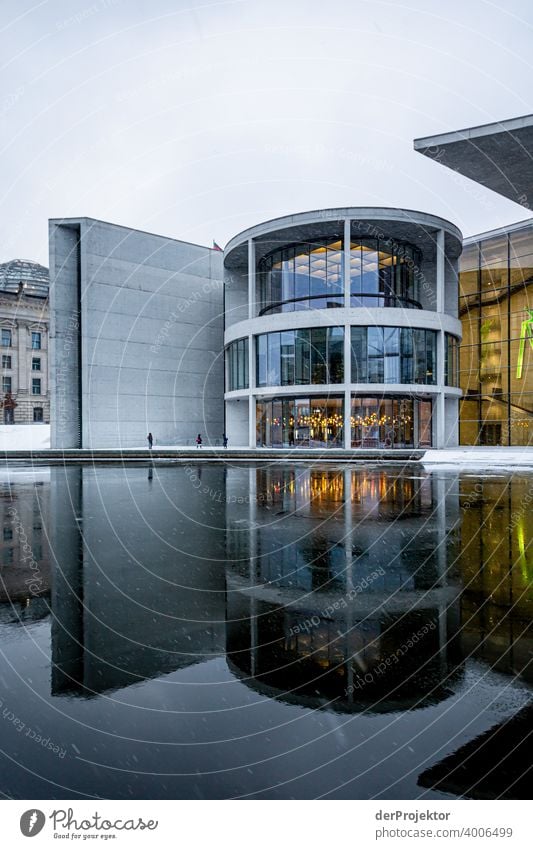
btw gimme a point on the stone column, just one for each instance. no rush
(251, 279)
(22, 356)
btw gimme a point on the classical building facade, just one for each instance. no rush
(342, 331)
(24, 322)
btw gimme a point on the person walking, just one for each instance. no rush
(150, 439)
(199, 441)
(224, 440)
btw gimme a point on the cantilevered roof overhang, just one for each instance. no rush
(499, 156)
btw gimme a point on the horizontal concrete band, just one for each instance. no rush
(194, 455)
(345, 316)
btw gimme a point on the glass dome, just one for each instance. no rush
(34, 278)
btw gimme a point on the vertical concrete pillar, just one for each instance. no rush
(439, 425)
(440, 275)
(251, 421)
(251, 399)
(346, 271)
(347, 381)
(251, 279)
(347, 339)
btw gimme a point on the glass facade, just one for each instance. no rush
(451, 360)
(298, 357)
(496, 354)
(393, 355)
(391, 422)
(301, 277)
(308, 422)
(237, 365)
(383, 273)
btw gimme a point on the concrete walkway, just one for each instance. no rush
(463, 457)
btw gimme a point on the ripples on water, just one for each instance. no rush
(272, 632)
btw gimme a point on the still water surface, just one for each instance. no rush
(276, 632)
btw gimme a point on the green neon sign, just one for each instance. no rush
(526, 332)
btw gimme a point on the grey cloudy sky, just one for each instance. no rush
(198, 119)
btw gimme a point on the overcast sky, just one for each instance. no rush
(199, 119)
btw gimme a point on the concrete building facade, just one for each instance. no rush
(136, 337)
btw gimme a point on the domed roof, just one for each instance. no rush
(34, 278)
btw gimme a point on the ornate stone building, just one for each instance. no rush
(24, 323)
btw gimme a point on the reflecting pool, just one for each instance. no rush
(272, 631)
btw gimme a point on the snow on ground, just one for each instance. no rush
(19, 437)
(488, 458)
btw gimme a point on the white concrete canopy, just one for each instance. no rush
(497, 155)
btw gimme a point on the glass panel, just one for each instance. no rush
(406, 352)
(274, 355)
(302, 364)
(318, 272)
(356, 270)
(287, 358)
(391, 338)
(335, 355)
(302, 413)
(276, 427)
(424, 424)
(287, 279)
(375, 355)
(301, 279)
(359, 354)
(419, 355)
(370, 276)
(262, 360)
(431, 357)
(318, 355)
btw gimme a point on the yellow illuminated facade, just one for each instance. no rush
(496, 354)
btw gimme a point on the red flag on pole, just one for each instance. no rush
(216, 247)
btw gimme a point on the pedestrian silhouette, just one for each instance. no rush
(199, 441)
(224, 440)
(150, 439)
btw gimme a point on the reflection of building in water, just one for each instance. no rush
(133, 597)
(496, 564)
(24, 554)
(495, 765)
(320, 610)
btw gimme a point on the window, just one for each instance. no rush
(299, 357)
(36, 341)
(6, 384)
(36, 386)
(6, 338)
(393, 355)
(37, 414)
(8, 533)
(6, 361)
(237, 365)
(36, 364)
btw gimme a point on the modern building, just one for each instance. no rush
(341, 330)
(496, 274)
(24, 321)
(496, 356)
(136, 337)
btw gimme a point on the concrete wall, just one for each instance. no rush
(237, 422)
(451, 422)
(151, 336)
(64, 341)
